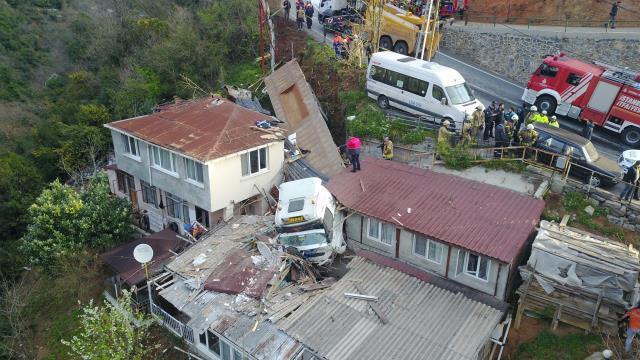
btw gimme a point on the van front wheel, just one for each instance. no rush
(383, 102)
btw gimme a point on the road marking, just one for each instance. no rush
(480, 70)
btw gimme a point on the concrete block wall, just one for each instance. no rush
(517, 55)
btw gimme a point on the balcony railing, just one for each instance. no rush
(174, 325)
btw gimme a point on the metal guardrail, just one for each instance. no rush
(174, 325)
(470, 16)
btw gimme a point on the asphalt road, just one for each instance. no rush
(488, 86)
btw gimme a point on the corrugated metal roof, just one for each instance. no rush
(311, 130)
(223, 313)
(121, 260)
(478, 217)
(424, 321)
(205, 129)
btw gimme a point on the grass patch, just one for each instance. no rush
(243, 74)
(371, 122)
(553, 347)
(506, 165)
(456, 158)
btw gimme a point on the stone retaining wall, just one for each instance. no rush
(624, 214)
(517, 56)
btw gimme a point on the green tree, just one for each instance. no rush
(108, 332)
(79, 154)
(63, 221)
(20, 184)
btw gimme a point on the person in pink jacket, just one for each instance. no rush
(353, 150)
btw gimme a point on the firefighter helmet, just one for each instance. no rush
(533, 108)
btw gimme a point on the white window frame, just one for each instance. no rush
(196, 164)
(245, 162)
(381, 224)
(127, 141)
(149, 190)
(234, 351)
(156, 160)
(181, 204)
(465, 262)
(429, 244)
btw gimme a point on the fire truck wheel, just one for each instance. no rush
(401, 48)
(631, 136)
(546, 102)
(386, 43)
(383, 102)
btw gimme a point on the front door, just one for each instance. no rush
(133, 194)
(434, 99)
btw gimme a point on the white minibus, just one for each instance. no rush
(419, 87)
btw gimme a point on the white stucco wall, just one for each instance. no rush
(229, 184)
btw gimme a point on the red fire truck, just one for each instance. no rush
(605, 94)
(449, 8)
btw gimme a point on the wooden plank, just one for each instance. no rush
(376, 309)
(521, 301)
(556, 318)
(594, 320)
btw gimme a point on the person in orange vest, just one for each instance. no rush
(337, 45)
(633, 328)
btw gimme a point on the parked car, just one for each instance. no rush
(586, 162)
(627, 159)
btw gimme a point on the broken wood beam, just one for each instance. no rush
(376, 309)
(361, 296)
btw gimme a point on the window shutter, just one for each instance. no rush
(460, 265)
(244, 159)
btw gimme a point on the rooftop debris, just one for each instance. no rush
(588, 280)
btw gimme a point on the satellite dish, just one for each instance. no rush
(143, 253)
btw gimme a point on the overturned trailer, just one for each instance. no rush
(579, 278)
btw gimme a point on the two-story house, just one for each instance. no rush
(465, 231)
(195, 160)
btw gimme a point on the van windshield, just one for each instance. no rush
(302, 239)
(460, 94)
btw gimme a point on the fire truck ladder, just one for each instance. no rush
(620, 75)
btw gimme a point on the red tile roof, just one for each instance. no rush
(478, 217)
(205, 129)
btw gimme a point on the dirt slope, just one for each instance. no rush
(594, 10)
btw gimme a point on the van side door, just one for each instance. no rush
(434, 100)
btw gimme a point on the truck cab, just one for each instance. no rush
(308, 220)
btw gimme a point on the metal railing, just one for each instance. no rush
(472, 16)
(174, 325)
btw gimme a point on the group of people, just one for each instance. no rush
(304, 11)
(353, 146)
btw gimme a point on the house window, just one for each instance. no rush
(254, 161)
(473, 265)
(194, 170)
(130, 145)
(164, 159)
(213, 342)
(177, 208)
(380, 231)
(125, 182)
(428, 249)
(149, 194)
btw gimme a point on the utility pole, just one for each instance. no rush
(426, 30)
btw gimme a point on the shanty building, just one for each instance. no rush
(200, 160)
(471, 233)
(226, 303)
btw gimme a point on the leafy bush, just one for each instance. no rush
(372, 123)
(63, 221)
(456, 158)
(574, 201)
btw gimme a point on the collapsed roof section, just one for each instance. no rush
(591, 277)
(294, 102)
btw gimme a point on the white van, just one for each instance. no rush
(419, 87)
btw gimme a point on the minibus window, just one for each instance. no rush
(437, 93)
(460, 94)
(416, 86)
(377, 73)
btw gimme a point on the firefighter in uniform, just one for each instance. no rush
(542, 118)
(509, 125)
(529, 136)
(467, 129)
(477, 121)
(387, 149)
(444, 136)
(532, 115)
(554, 122)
